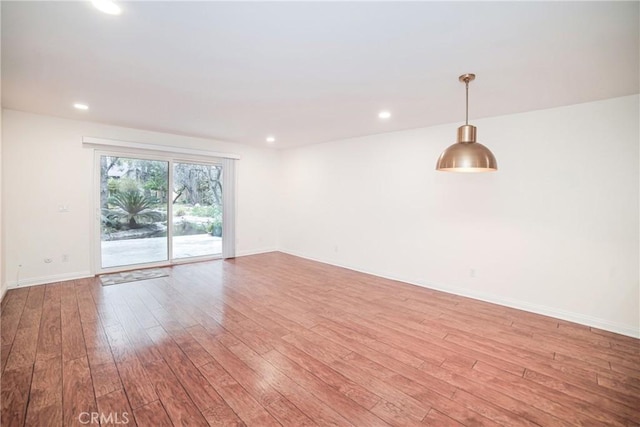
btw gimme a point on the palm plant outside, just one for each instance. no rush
(135, 207)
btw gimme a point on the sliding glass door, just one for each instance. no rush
(133, 211)
(154, 211)
(197, 210)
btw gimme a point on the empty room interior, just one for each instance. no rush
(320, 213)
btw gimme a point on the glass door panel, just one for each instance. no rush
(197, 210)
(133, 205)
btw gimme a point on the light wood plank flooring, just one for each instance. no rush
(272, 339)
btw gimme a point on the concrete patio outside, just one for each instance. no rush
(138, 251)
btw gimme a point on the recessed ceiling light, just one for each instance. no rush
(107, 6)
(384, 114)
(271, 139)
(79, 106)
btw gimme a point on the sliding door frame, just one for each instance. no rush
(96, 248)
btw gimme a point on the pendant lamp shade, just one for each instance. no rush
(467, 155)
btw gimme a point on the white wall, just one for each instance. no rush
(555, 230)
(44, 165)
(3, 282)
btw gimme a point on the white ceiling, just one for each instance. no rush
(312, 72)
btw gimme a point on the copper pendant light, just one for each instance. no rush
(467, 155)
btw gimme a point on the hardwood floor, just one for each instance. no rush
(272, 340)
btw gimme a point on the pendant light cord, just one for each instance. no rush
(466, 83)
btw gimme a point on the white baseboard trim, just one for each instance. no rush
(33, 281)
(255, 252)
(5, 288)
(557, 313)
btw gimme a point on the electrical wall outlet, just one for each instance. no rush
(65, 257)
